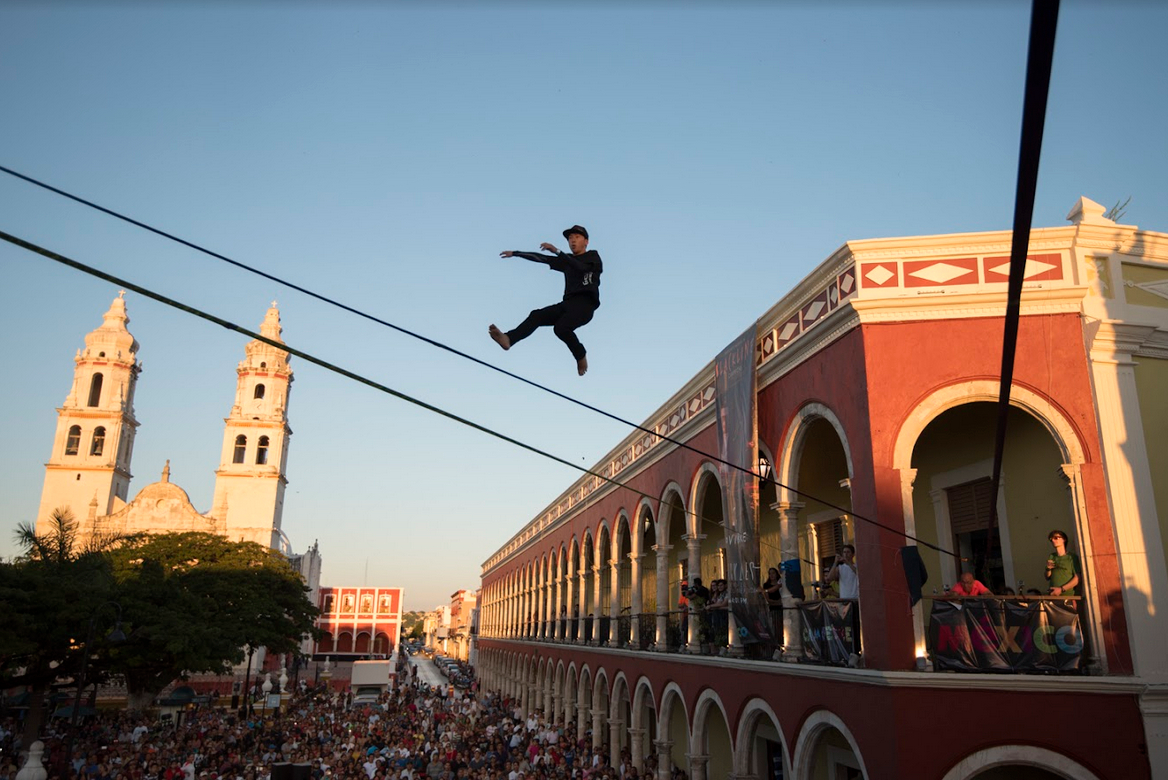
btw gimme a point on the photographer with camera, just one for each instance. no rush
(844, 572)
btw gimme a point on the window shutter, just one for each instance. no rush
(969, 506)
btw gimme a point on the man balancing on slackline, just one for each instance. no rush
(581, 271)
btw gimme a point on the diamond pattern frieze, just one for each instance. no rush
(940, 273)
(1039, 268)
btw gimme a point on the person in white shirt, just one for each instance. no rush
(845, 573)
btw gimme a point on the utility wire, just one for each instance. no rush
(79, 266)
(460, 353)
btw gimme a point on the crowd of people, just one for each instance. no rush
(416, 732)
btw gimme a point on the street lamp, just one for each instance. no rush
(114, 637)
(764, 469)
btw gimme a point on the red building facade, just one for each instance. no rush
(877, 384)
(359, 621)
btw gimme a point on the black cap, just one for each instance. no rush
(576, 229)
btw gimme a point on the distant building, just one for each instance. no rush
(359, 621)
(436, 628)
(462, 607)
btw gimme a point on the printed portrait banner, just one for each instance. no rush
(735, 385)
(831, 631)
(998, 635)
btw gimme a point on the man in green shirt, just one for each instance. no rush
(1061, 570)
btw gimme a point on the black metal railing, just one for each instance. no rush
(624, 630)
(646, 630)
(602, 635)
(675, 629)
(588, 628)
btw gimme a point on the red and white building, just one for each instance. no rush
(878, 377)
(359, 622)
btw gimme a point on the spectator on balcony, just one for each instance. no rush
(845, 573)
(1062, 570)
(719, 608)
(968, 587)
(683, 608)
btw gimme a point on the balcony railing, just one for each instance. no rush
(1038, 634)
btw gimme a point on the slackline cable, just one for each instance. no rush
(452, 350)
(1043, 25)
(79, 266)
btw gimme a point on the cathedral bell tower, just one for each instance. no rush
(88, 472)
(250, 480)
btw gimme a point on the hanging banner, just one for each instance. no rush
(831, 631)
(998, 635)
(735, 385)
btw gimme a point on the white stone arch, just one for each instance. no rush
(643, 690)
(643, 506)
(815, 725)
(791, 450)
(666, 512)
(1018, 755)
(754, 711)
(618, 680)
(975, 390)
(600, 685)
(622, 521)
(571, 690)
(602, 528)
(707, 700)
(584, 686)
(707, 471)
(671, 695)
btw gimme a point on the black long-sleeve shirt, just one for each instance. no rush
(581, 272)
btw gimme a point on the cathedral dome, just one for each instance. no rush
(162, 490)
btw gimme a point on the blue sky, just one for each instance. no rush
(385, 154)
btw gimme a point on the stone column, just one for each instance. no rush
(557, 703)
(583, 599)
(614, 739)
(664, 758)
(613, 600)
(1133, 501)
(697, 766)
(637, 748)
(636, 602)
(663, 605)
(1097, 663)
(597, 727)
(693, 543)
(789, 544)
(581, 720)
(597, 611)
(907, 478)
(569, 599)
(557, 605)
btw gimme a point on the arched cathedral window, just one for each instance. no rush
(259, 391)
(240, 449)
(262, 451)
(74, 440)
(95, 390)
(98, 444)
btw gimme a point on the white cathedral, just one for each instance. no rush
(89, 470)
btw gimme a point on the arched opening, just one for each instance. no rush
(760, 746)
(676, 731)
(262, 451)
(259, 391)
(362, 643)
(624, 580)
(953, 457)
(326, 643)
(381, 644)
(644, 726)
(708, 630)
(831, 755)
(600, 702)
(647, 587)
(571, 685)
(620, 721)
(676, 577)
(584, 699)
(604, 571)
(240, 449)
(95, 390)
(98, 443)
(822, 472)
(345, 642)
(589, 580)
(73, 440)
(563, 591)
(1018, 772)
(712, 736)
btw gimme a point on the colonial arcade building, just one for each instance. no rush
(877, 383)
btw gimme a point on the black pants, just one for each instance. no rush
(564, 317)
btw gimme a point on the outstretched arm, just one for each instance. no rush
(535, 257)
